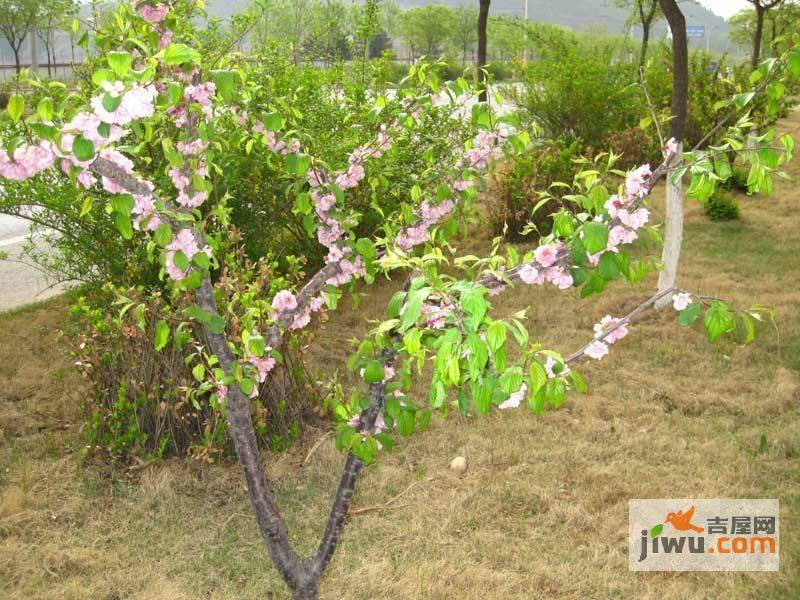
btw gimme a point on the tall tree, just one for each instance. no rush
(53, 16)
(778, 22)
(644, 13)
(463, 34)
(426, 28)
(17, 20)
(483, 21)
(762, 7)
(673, 223)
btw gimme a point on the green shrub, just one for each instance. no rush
(721, 206)
(520, 184)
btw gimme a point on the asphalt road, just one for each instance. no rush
(19, 283)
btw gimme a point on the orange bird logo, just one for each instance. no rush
(682, 521)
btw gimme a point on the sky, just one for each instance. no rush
(725, 8)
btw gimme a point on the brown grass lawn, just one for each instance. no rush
(542, 510)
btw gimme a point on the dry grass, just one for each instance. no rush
(542, 510)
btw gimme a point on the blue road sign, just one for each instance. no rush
(696, 31)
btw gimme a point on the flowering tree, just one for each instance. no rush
(157, 89)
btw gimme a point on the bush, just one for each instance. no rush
(635, 147)
(523, 182)
(150, 404)
(721, 206)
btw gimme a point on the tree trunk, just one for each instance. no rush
(758, 35)
(483, 20)
(673, 227)
(645, 41)
(17, 65)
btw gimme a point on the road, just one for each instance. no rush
(19, 283)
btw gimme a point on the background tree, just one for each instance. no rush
(762, 7)
(483, 21)
(54, 15)
(17, 19)
(464, 35)
(778, 22)
(644, 13)
(427, 28)
(673, 222)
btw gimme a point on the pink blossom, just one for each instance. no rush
(165, 39)
(192, 148)
(264, 365)
(620, 235)
(681, 300)
(302, 319)
(153, 14)
(202, 93)
(284, 301)
(546, 255)
(607, 323)
(514, 399)
(671, 147)
(186, 243)
(462, 185)
(559, 277)
(531, 275)
(636, 183)
(222, 393)
(28, 160)
(636, 219)
(136, 103)
(179, 180)
(193, 201)
(596, 350)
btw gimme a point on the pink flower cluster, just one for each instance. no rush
(550, 363)
(514, 399)
(598, 349)
(153, 13)
(637, 183)
(544, 267)
(186, 243)
(606, 324)
(429, 214)
(203, 94)
(136, 103)
(436, 313)
(681, 300)
(485, 146)
(27, 161)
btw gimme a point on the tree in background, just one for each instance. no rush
(644, 13)
(762, 8)
(54, 15)
(673, 222)
(778, 22)
(17, 20)
(483, 21)
(426, 28)
(464, 35)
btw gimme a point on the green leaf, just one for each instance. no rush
(718, 321)
(15, 108)
(44, 110)
(163, 235)
(273, 122)
(86, 206)
(405, 422)
(690, 314)
(607, 267)
(366, 248)
(374, 373)
(496, 335)
(749, 328)
(226, 83)
(215, 323)
(257, 345)
(297, 164)
(178, 54)
(656, 530)
(124, 226)
(120, 62)
(111, 103)
(161, 335)
(538, 376)
(595, 237)
(478, 355)
(82, 148)
(414, 307)
(482, 396)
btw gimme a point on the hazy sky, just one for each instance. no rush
(725, 8)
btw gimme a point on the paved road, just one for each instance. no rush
(19, 283)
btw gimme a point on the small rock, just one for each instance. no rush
(459, 465)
